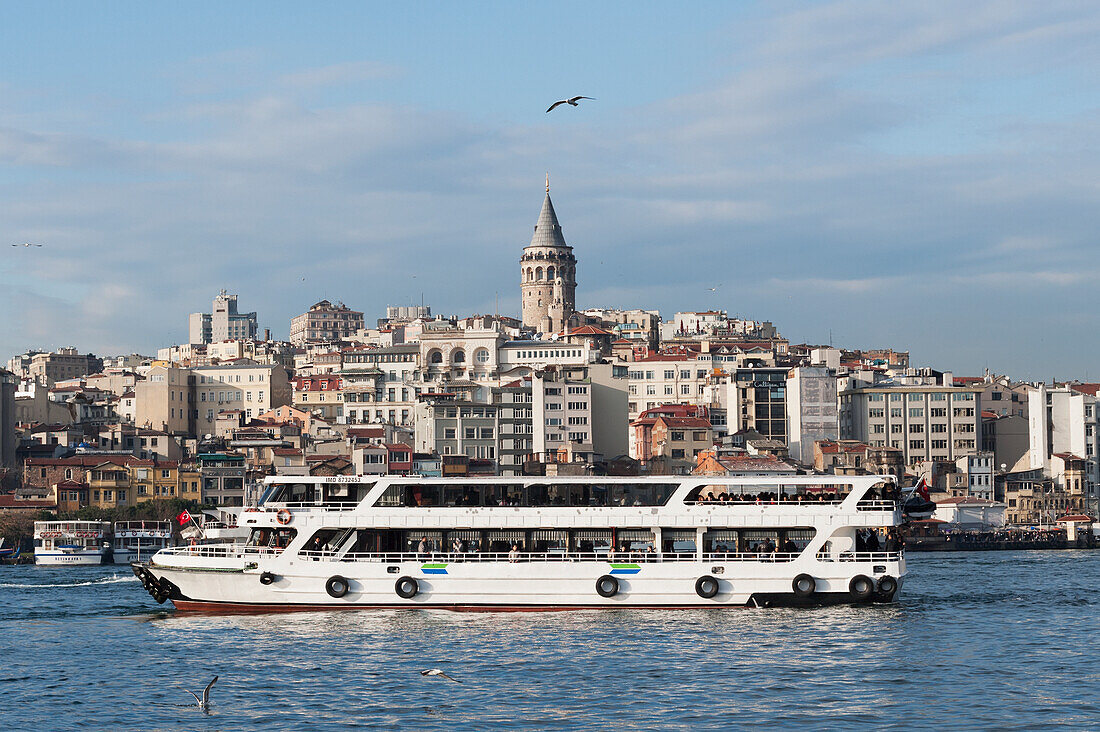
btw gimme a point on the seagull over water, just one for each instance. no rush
(204, 702)
(28, 245)
(439, 672)
(572, 101)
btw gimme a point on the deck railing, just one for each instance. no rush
(238, 550)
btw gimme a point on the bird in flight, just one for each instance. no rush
(572, 100)
(439, 672)
(204, 702)
(713, 289)
(28, 245)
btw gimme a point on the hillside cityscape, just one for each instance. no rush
(561, 390)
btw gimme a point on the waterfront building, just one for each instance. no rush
(325, 322)
(1035, 500)
(971, 513)
(548, 275)
(920, 414)
(223, 323)
(1065, 420)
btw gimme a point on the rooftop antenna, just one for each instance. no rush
(548, 181)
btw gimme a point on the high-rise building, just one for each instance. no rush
(223, 323)
(548, 274)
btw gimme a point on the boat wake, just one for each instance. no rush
(113, 579)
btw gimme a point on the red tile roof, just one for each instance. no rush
(589, 330)
(8, 500)
(695, 423)
(1086, 388)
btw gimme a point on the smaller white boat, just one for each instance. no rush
(136, 541)
(72, 542)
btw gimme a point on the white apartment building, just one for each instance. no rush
(581, 411)
(926, 421)
(1065, 420)
(669, 379)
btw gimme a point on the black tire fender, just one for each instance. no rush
(804, 585)
(406, 587)
(607, 586)
(887, 586)
(337, 586)
(706, 586)
(861, 587)
(266, 578)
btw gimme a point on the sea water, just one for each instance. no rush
(995, 640)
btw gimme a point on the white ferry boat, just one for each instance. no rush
(547, 543)
(72, 542)
(139, 540)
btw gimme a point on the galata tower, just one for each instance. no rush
(548, 274)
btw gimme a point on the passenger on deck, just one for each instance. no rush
(789, 547)
(513, 555)
(423, 547)
(872, 541)
(893, 541)
(456, 546)
(316, 545)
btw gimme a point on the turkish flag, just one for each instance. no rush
(183, 518)
(922, 489)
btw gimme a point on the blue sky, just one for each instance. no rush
(921, 176)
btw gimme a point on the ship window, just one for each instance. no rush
(678, 541)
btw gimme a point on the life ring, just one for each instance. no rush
(706, 586)
(861, 587)
(406, 587)
(336, 586)
(607, 586)
(887, 586)
(283, 517)
(804, 585)
(266, 578)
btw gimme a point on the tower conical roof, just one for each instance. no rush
(548, 230)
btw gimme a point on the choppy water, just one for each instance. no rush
(983, 640)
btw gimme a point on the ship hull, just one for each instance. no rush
(480, 586)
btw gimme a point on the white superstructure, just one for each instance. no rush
(72, 542)
(140, 540)
(547, 543)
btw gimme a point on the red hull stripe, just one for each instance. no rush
(233, 607)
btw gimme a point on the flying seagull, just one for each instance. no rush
(28, 245)
(572, 100)
(439, 672)
(204, 703)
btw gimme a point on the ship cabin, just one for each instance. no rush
(669, 518)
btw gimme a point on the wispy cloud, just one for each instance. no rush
(350, 72)
(773, 179)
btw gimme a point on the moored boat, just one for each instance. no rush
(72, 542)
(547, 543)
(140, 540)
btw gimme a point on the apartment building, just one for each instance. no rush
(325, 321)
(919, 415)
(1065, 420)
